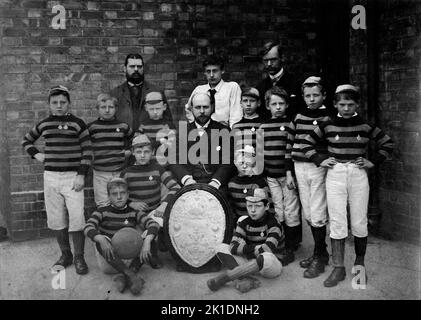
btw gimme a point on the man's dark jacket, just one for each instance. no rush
(204, 172)
(134, 115)
(291, 86)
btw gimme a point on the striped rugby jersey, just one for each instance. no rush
(347, 139)
(110, 139)
(305, 122)
(152, 127)
(108, 220)
(239, 188)
(278, 134)
(245, 132)
(67, 143)
(144, 182)
(252, 238)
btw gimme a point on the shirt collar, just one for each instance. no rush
(322, 107)
(218, 86)
(277, 76)
(198, 126)
(134, 85)
(252, 117)
(354, 115)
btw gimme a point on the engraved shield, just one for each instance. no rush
(197, 220)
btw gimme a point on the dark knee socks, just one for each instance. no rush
(319, 235)
(360, 245)
(78, 243)
(62, 237)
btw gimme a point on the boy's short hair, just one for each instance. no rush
(214, 60)
(58, 90)
(250, 92)
(313, 82)
(133, 56)
(105, 97)
(347, 92)
(276, 91)
(116, 182)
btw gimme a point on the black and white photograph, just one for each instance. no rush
(210, 154)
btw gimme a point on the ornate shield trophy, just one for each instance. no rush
(197, 220)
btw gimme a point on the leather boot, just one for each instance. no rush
(321, 257)
(338, 273)
(307, 261)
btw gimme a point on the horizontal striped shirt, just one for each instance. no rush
(252, 238)
(67, 143)
(245, 132)
(144, 182)
(108, 220)
(110, 139)
(347, 139)
(305, 122)
(161, 127)
(240, 187)
(278, 135)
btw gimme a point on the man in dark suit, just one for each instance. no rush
(204, 148)
(131, 94)
(278, 76)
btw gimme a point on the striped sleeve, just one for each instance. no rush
(238, 244)
(91, 227)
(384, 145)
(147, 223)
(289, 165)
(129, 137)
(273, 241)
(29, 140)
(86, 148)
(172, 185)
(309, 145)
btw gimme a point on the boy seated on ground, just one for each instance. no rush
(256, 242)
(107, 221)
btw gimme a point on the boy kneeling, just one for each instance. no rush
(256, 241)
(104, 224)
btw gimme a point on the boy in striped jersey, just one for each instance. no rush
(246, 180)
(104, 224)
(255, 246)
(278, 133)
(246, 129)
(111, 146)
(347, 136)
(145, 179)
(158, 129)
(311, 178)
(67, 156)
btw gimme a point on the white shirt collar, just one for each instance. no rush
(278, 75)
(355, 114)
(198, 126)
(134, 85)
(218, 86)
(252, 117)
(322, 107)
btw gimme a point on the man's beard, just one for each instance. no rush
(135, 78)
(202, 120)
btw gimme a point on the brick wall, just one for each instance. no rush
(173, 36)
(399, 112)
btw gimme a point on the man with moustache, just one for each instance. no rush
(131, 94)
(277, 76)
(203, 127)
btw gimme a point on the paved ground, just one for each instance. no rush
(393, 269)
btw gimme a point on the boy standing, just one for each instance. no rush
(107, 221)
(256, 242)
(278, 135)
(66, 158)
(245, 130)
(225, 96)
(156, 127)
(311, 178)
(111, 146)
(347, 136)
